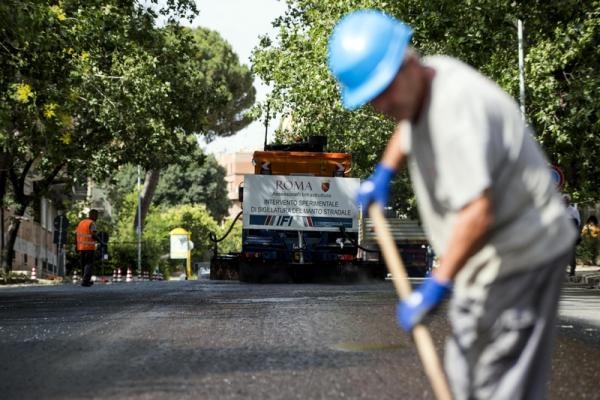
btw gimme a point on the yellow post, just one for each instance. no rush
(181, 248)
(189, 256)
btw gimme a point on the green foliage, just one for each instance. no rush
(561, 68)
(193, 218)
(227, 85)
(588, 250)
(195, 179)
(93, 85)
(121, 184)
(13, 278)
(233, 242)
(155, 239)
(71, 92)
(123, 240)
(564, 82)
(87, 86)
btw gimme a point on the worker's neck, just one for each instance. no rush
(426, 78)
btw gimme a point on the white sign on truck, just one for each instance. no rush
(300, 203)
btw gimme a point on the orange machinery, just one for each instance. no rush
(302, 163)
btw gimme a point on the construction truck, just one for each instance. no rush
(301, 221)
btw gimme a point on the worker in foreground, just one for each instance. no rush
(485, 197)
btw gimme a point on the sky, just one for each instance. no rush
(241, 22)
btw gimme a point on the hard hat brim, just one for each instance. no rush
(382, 76)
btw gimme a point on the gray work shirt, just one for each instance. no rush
(470, 137)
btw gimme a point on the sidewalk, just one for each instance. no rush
(587, 276)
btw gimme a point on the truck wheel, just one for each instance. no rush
(248, 272)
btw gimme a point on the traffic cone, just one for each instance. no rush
(129, 278)
(74, 277)
(33, 274)
(118, 274)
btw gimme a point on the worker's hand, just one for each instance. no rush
(424, 299)
(376, 188)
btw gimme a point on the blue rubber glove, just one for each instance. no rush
(424, 299)
(376, 188)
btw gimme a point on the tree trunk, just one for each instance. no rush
(13, 230)
(3, 179)
(4, 162)
(150, 183)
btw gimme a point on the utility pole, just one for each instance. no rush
(139, 224)
(266, 125)
(521, 68)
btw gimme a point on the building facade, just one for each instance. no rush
(237, 165)
(34, 245)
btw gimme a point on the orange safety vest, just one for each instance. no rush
(83, 234)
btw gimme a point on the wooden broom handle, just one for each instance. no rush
(425, 348)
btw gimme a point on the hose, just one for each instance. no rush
(213, 237)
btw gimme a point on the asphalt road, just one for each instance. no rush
(226, 340)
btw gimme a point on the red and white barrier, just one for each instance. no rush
(157, 276)
(129, 277)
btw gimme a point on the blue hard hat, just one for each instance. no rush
(366, 49)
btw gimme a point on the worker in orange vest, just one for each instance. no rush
(86, 239)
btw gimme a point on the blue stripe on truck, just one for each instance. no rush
(318, 222)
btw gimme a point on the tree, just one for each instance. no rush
(72, 96)
(233, 242)
(210, 89)
(86, 86)
(155, 240)
(196, 179)
(563, 65)
(561, 82)
(193, 218)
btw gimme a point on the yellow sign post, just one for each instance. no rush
(181, 248)
(189, 257)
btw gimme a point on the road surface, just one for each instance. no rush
(227, 340)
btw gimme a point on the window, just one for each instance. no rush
(37, 211)
(51, 213)
(44, 212)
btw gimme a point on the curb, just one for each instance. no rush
(587, 279)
